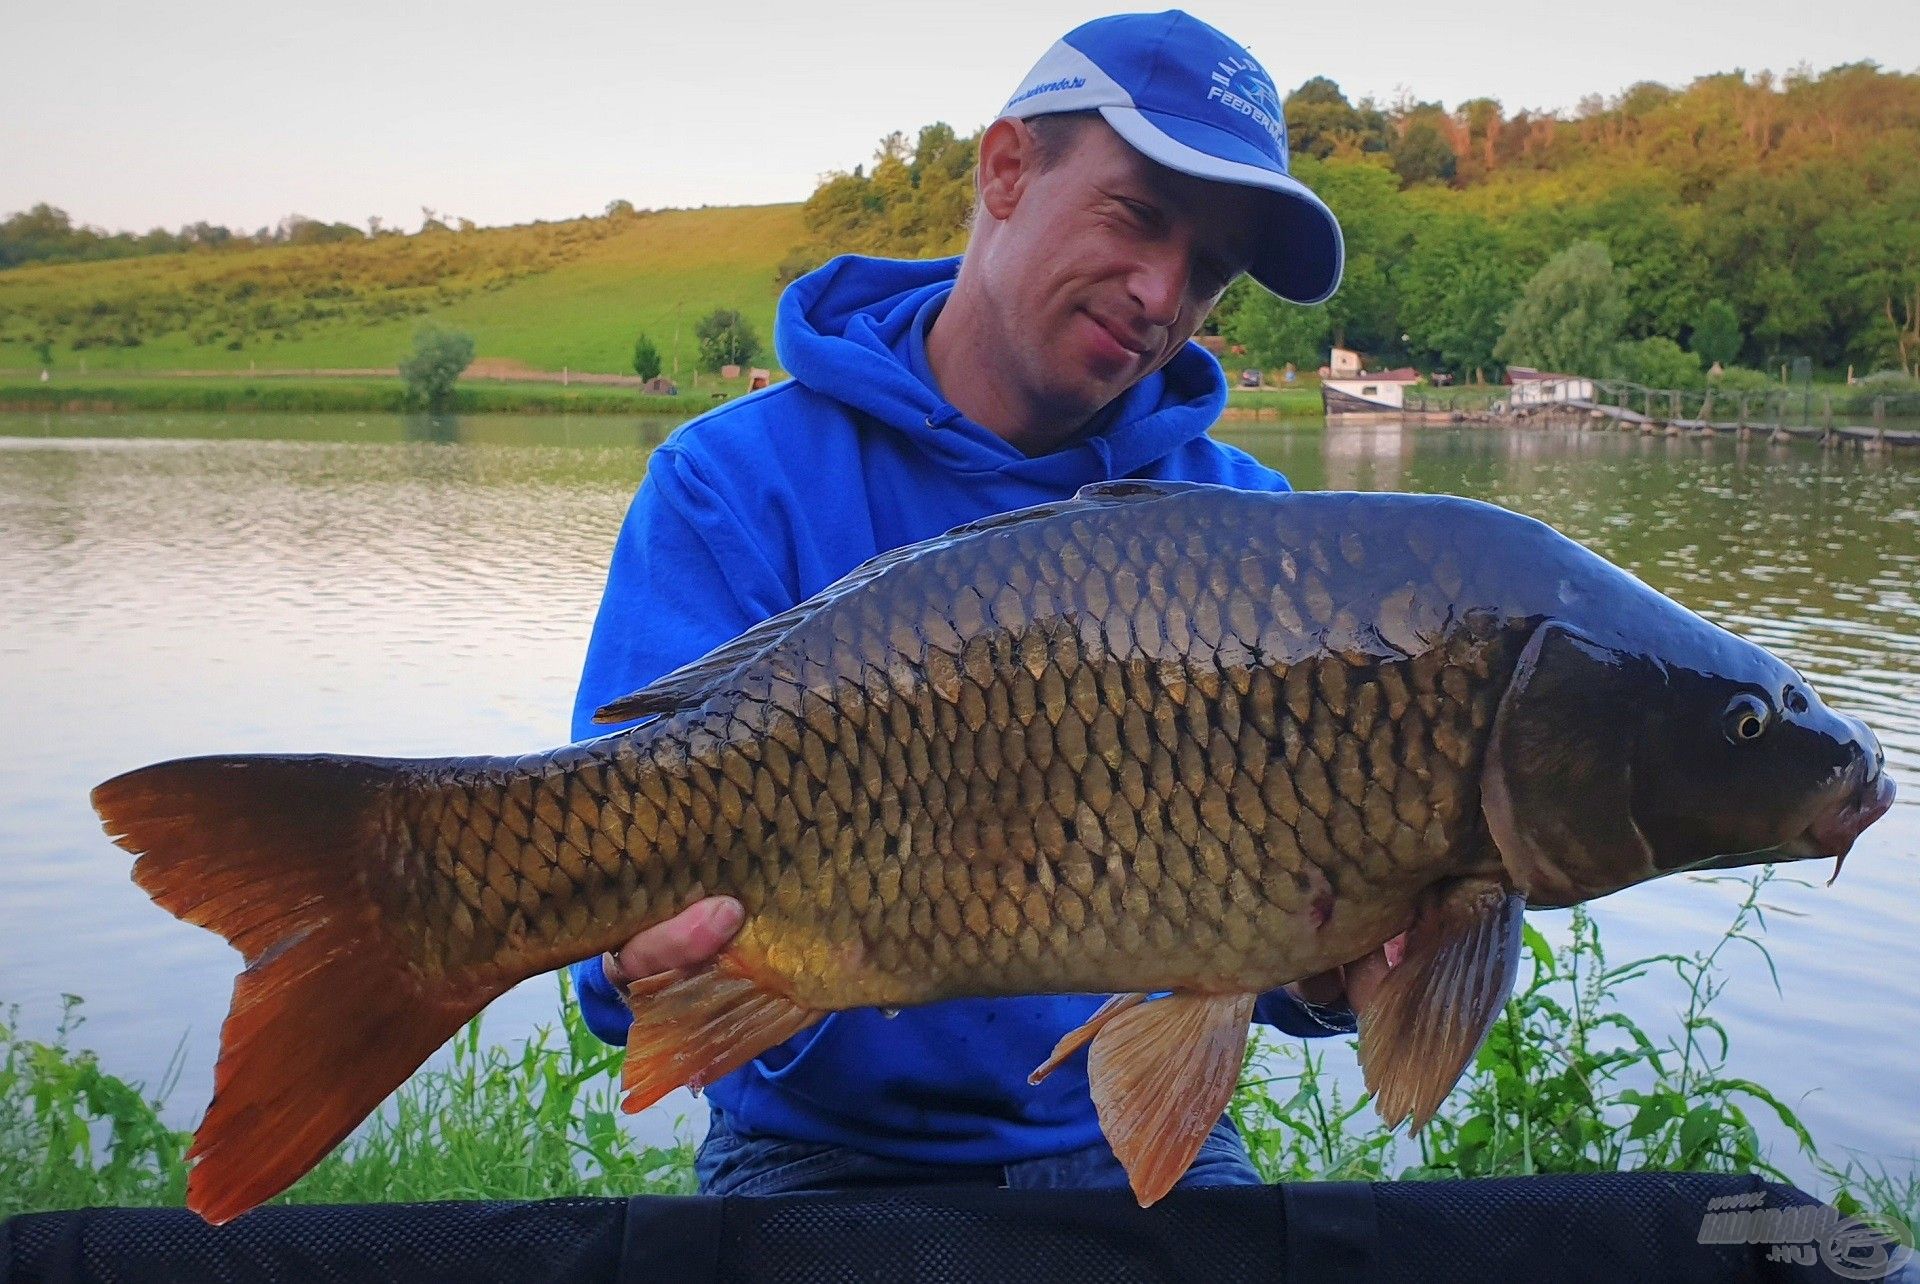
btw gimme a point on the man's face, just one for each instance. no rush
(1100, 266)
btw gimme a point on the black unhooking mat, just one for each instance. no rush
(1609, 1226)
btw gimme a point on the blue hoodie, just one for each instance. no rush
(763, 502)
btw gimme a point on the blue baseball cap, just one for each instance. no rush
(1192, 99)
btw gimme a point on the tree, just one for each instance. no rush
(726, 339)
(1716, 333)
(1455, 283)
(646, 358)
(1273, 331)
(435, 365)
(1421, 155)
(1571, 316)
(1321, 122)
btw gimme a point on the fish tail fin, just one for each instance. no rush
(282, 856)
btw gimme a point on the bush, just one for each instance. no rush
(1740, 379)
(435, 365)
(646, 358)
(726, 339)
(1716, 334)
(1658, 362)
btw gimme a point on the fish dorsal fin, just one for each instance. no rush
(691, 683)
(1434, 1009)
(1162, 1073)
(1123, 490)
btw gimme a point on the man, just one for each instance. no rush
(1139, 169)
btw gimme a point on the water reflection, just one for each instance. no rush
(178, 584)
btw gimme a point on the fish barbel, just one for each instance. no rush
(1159, 737)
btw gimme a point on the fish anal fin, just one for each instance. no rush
(1433, 1010)
(690, 1027)
(1162, 1073)
(1082, 1034)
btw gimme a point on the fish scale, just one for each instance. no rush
(1016, 791)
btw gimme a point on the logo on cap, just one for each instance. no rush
(1242, 85)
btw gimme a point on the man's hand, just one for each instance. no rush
(688, 939)
(1351, 985)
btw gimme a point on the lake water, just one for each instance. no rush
(175, 584)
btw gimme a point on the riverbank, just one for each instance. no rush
(247, 393)
(266, 390)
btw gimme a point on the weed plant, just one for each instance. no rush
(1566, 1082)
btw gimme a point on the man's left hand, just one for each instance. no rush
(1352, 985)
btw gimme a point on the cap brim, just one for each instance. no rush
(1302, 252)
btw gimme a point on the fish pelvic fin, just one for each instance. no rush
(691, 1026)
(1162, 1072)
(1435, 1007)
(277, 854)
(1082, 1034)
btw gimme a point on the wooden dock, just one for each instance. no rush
(1662, 413)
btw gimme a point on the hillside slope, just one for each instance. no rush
(551, 296)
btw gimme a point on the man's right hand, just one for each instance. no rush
(688, 939)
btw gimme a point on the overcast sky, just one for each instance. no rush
(130, 114)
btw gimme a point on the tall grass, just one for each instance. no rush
(529, 1122)
(1567, 1082)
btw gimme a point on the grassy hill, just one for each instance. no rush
(548, 295)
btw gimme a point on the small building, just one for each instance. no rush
(1344, 364)
(729, 371)
(758, 379)
(1539, 387)
(1384, 392)
(1367, 395)
(661, 386)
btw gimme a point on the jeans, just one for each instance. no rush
(735, 1163)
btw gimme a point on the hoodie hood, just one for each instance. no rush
(845, 330)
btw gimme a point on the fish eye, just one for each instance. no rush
(1794, 698)
(1746, 718)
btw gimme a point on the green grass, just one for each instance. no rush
(1569, 1081)
(1278, 403)
(567, 295)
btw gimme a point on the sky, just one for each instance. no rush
(129, 114)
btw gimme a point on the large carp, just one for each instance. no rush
(1157, 737)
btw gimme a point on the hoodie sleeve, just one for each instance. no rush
(688, 573)
(1289, 1015)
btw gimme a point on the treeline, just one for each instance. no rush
(44, 234)
(1792, 203)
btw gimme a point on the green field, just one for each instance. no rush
(549, 296)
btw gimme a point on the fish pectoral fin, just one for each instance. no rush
(1433, 1010)
(1082, 1034)
(692, 1026)
(1162, 1073)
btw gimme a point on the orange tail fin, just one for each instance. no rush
(278, 855)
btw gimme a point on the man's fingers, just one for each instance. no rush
(1323, 989)
(688, 939)
(1364, 977)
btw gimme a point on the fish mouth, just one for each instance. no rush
(1833, 833)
